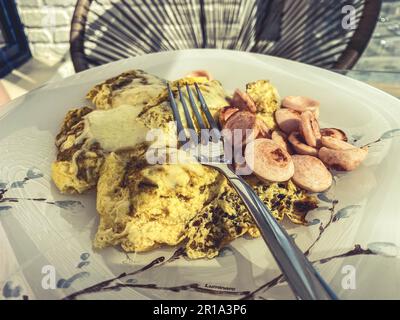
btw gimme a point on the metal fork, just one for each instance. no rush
(303, 279)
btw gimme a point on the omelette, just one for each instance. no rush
(145, 205)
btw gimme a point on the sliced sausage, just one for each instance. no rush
(300, 146)
(309, 127)
(334, 133)
(225, 113)
(287, 120)
(301, 104)
(242, 127)
(243, 101)
(343, 160)
(311, 174)
(281, 139)
(200, 73)
(336, 144)
(269, 161)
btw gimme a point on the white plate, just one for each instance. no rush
(45, 237)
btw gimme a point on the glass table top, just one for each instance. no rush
(388, 81)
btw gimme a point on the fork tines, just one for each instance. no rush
(211, 124)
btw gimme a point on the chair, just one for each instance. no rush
(310, 31)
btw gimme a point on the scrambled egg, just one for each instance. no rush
(226, 218)
(143, 206)
(76, 168)
(123, 116)
(158, 113)
(266, 99)
(134, 87)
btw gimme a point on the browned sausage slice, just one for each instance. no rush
(287, 120)
(281, 139)
(309, 127)
(336, 144)
(243, 101)
(300, 146)
(334, 133)
(200, 73)
(311, 174)
(343, 160)
(225, 113)
(301, 104)
(242, 127)
(269, 161)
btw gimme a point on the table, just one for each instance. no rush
(388, 81)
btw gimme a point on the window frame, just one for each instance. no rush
(16, 49)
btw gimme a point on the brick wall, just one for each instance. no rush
(47, 24)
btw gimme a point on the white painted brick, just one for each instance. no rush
(61, 35)
(60, 3)
(45, 18)
(49, 53)
(39, 35)
(70, 11)
(29, 3)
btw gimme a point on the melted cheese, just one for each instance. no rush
(116, 129)
(167, 176)
(138, 95)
